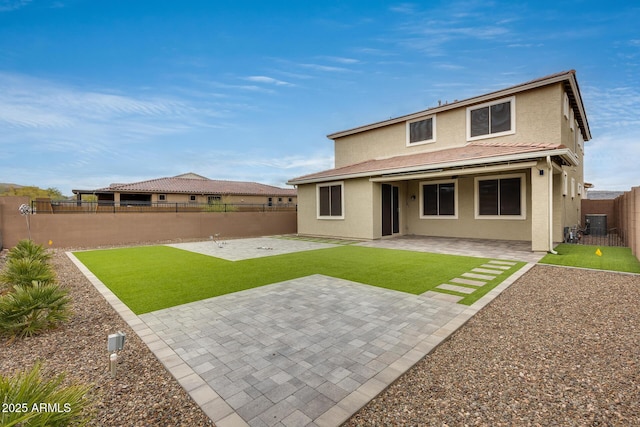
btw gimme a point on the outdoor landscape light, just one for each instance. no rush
(115, 343)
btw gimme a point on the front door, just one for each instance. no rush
(390, 210)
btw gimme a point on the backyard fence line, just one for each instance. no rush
(622, 215)
(87, 230)
(85, 207)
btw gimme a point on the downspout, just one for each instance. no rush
(550, 180)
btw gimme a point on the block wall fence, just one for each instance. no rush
(89, 230)
(622, 213)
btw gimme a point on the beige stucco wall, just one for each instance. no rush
(466, 225)
(538, 118)
(540, 202)
(358, 219)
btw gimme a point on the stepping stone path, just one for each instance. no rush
(474, 279)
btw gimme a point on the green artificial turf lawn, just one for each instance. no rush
(150, 278)
(613, 258)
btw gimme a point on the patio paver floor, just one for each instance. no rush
(309, 351)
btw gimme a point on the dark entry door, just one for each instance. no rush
(390, 210)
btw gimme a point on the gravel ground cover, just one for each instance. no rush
(559, 347)
(143, 393)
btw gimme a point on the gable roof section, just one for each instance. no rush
(473, 154)
(568, 78)
(197, 184)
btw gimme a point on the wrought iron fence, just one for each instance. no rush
(83, 207)
(592, 235)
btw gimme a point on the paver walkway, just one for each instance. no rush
(310, 351)
(498, 249)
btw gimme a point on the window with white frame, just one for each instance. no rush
(565, 106)
(162, 197)
(500, 197)
(421, 131)
(491, 119)
(439, 199)
(193, 198)
(330, 200)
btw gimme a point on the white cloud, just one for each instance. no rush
(9, 5)
(268, 80)
(341, 60)
(66, 131)
(326, 68)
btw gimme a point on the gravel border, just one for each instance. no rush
(142, 394)
(561, 346)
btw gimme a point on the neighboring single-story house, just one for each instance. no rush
(504, 165)
(192, 188)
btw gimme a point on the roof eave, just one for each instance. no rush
(565, 153)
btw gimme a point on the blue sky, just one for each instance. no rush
(96, 92)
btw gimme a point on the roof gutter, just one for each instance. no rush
(463, 171)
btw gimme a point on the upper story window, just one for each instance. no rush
(162, 197)
(491, 119)
(421, 131)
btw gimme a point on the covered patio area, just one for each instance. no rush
(488, 248)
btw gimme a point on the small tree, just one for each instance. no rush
(25, 271)
(29, 310)
(28, 249)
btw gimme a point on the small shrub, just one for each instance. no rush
(220, 206)
(31, 400)
(29, 310)
(28, 249)
(25, 271)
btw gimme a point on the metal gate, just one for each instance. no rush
(595, 232)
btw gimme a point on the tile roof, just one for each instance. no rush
(603, 194)
(196, 184)
(475, 153)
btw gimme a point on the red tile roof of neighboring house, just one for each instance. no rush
(475, 153)
(196, 184)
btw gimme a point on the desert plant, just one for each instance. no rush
(220, 206)
(28, 249)
(25, 271)
(30, 400)
(29, 310)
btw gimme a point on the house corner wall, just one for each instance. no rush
(359, 211)
(540, 207)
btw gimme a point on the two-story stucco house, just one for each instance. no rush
(504, 165)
